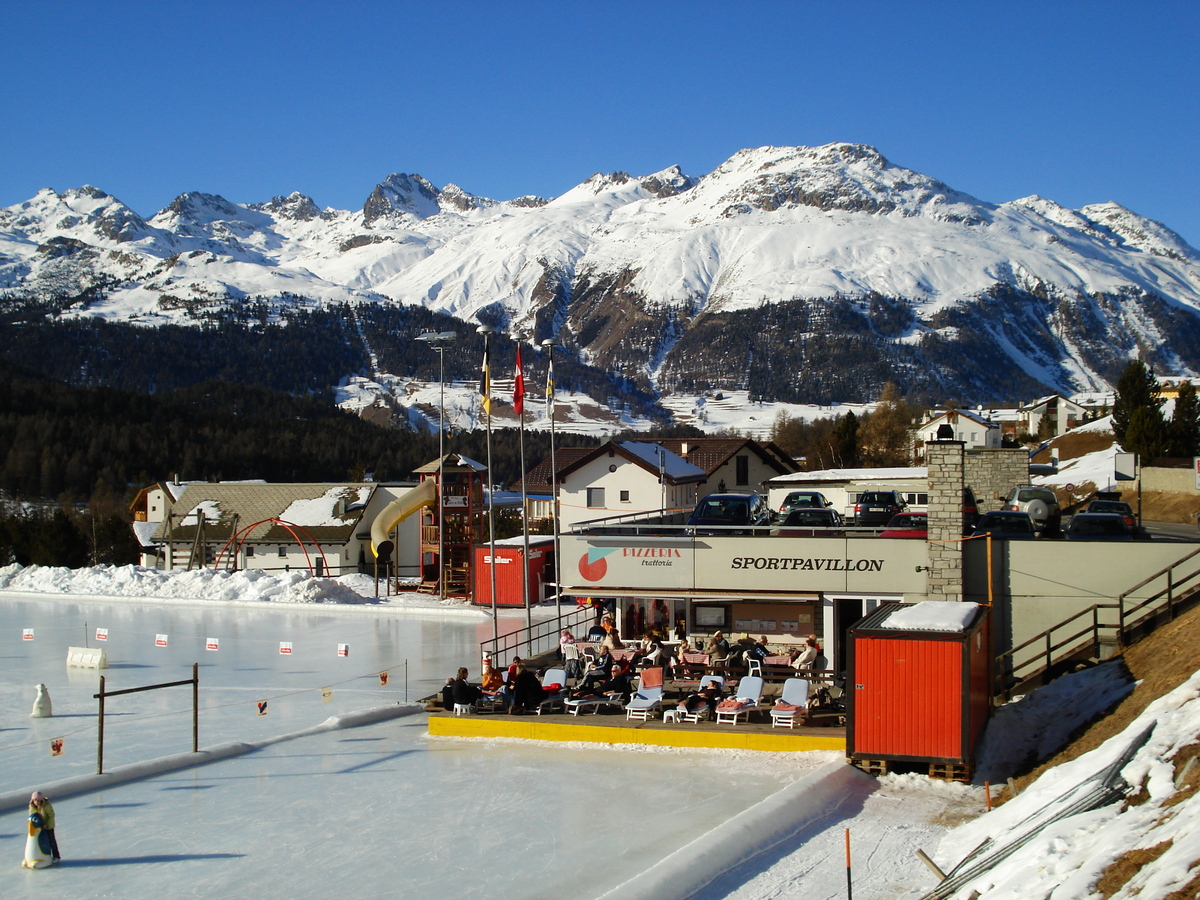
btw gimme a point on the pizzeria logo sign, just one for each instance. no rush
(593, 565)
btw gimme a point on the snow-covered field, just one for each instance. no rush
(379, 808)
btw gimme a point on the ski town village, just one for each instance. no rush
(716, 560)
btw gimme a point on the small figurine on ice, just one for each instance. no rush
(41, 704)
(41, 848)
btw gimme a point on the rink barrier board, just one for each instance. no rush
(533, 729)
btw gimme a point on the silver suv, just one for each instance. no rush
(1040, 503)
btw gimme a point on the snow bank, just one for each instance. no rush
(245, 587)
(1065, 857)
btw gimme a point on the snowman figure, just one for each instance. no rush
(41, 704)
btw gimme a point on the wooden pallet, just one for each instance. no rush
(960, 772)
(874, 767)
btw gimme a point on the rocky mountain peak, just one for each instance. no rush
(401, 194)
(295, 206)
(455, 198)
(198, 205)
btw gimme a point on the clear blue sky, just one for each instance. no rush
(1080, 102)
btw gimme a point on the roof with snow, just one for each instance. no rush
(327, 512)
(710, 454)
(648, 456)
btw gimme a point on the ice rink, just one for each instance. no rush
(376, 810)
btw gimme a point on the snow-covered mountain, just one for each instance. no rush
(793, 273)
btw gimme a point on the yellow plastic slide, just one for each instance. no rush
(424, 494)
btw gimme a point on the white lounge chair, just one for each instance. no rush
(749, 692)
(576, 707)
(644, 702)
(795, 694)
(553, 676)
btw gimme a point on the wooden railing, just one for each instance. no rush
(1081, 636)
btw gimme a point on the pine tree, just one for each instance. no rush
(1184, 428)
(1137, 389)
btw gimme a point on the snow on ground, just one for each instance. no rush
(339, 806)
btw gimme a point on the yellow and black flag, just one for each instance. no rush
(485, 377)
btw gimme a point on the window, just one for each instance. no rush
(743, 470)
(249, 550)
(282, 551)
(595, 498)
(624, 496)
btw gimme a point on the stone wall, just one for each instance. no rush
(992, 474)
(945, 462)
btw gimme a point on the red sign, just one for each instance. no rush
(343, 649)
(285, 647)
(212, 644)
(27, 634)
(56, 747)
(102, 634)
(160, 640)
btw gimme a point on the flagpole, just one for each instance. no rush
(519, 407)
(485, 389)
(549, 344)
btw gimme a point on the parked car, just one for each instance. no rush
(908, 525)
(1118, 507)
(819, 522)
(1098, 526)
(1040, 503)
(721, 512)
(877, 507)
(1010, 526)
(802, 500)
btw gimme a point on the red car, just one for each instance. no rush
(908, 525)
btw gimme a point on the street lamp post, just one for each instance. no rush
(519, 404)
(487, 331)
(439, 341)
(550, 344)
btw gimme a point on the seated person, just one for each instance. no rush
(806, 656)
(448, 695)
(612, 639)
(597, 673)
(491, 679)
(655, 654)
(759, 650)
(618, 684)
(506, 691)
(464, 692)
(717, 647)
(527, 691)
(709, 695)
(676, 661)
(596, 633)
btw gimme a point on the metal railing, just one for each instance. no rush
(541, 637)
(1089, 629)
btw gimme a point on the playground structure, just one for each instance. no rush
(452, 523)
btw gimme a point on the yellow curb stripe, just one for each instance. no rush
(533, 729)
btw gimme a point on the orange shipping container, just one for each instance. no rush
(919, 695)
(508, 571)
